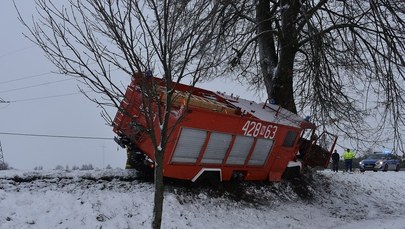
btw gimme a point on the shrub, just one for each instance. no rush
(4, 166)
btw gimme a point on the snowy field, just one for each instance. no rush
(117, 199)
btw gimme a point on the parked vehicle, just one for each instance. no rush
(215, 133)
(380, 161)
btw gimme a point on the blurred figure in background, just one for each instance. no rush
(335, 161)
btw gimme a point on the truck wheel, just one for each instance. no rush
(397, 168)
(385, 168)
(291, 172)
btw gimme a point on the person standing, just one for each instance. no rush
(348, 156)
(335, 161)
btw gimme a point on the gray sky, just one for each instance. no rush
(26, 80)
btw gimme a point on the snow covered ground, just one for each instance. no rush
(117, 199)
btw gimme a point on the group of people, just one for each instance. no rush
(348, 157)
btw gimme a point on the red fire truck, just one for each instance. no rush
(217, 134)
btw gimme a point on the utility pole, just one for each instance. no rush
(2, 164)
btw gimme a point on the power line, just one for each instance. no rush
(55, 136)
(3, 101)
(46, 97)
(16, 51)
(26, 77)
(35, 85)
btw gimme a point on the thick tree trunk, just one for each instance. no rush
(288, 47)
(159, 191)
(277, 65)
(267, 52)
(283, 91)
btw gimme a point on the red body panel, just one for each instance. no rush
(222, 116)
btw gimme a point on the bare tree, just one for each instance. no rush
(97, 41)
(59, 167)
(4, 166)
(341, 61)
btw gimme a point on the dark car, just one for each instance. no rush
(380, 161)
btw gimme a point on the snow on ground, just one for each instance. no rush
(118, 199)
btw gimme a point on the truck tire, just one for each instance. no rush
(291, 172)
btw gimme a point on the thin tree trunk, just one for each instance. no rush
(159, 191)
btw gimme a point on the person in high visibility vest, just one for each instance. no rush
(348, 156)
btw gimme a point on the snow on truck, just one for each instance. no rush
(219, 135)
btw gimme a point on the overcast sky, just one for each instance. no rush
(45, 103)
(40, 105)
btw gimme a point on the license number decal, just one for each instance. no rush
(252, 128)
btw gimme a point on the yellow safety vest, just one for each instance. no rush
(348, 155)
